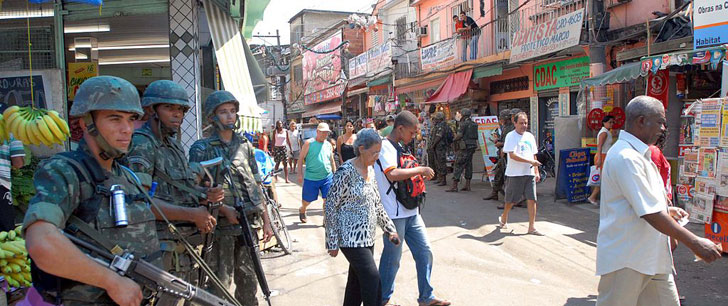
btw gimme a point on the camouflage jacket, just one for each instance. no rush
(436, 141)
(59, 195)
(507, 128)
(165, 158)
(239, 155)
(468, 132)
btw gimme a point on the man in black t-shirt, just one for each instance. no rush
(474, 29)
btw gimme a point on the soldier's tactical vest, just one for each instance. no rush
(239, 161)
(470, 134)
(93, 221)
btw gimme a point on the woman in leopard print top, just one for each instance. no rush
(353, 209)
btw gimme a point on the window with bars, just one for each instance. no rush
(402, 30)
(375, 38)
(435, 30)
(14, 46)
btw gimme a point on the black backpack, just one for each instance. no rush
(448, 137)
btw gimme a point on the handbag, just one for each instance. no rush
(594, 177)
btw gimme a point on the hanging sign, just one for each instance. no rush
(437, 54)
(710, 23)
(561, 74)
(79, 72)
(658, 84)
(547, 37)
(16, 90)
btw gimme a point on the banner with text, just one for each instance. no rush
(547, 37)
(710, 21)
(561, 74)
(379, 58)
(487, 137)
(437, 54)
(322, 71)
(358, 66)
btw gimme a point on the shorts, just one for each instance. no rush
(310, 190)
(295, 154)
(279, 154)
(518, 187)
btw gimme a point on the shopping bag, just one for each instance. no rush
(594, 177)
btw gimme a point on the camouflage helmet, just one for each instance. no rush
(515, 111)
(466, 112)
(106, 93)
(216, 99)
(439, 116)
(165, 91)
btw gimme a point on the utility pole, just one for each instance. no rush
(280, 81)
(598, 26)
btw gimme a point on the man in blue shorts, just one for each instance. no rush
(317, 154)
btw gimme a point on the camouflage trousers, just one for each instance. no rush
(464, 163)
(176, 261)
(500, 175)
(231, 261)
(437, 160)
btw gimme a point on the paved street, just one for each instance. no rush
(477, 263)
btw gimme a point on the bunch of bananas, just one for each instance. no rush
(35, 125)
(14, 261)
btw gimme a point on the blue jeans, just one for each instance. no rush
(473, 41)
(464, 46)
(411, 230)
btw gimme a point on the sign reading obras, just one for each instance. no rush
(561, 74)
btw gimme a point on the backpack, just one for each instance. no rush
(448, 137)
(409, 192)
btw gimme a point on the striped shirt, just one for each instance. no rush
(9, 148)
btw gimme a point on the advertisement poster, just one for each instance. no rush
(487, 137)
(322, 71)
(690, 164)
(561, 74)
(437, 54)
(710, 23)
(710, 123)
(547, 37)
(573, 174)
(717, 229)
(687, 126)
(722, 188)
(724, 123)
(684, 193)
(706, 162)
(701, 208)
(659, 84)
(79, 72)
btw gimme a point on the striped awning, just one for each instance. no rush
(230, 54)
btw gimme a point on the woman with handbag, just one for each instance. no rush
(604, 142)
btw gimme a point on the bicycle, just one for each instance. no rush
(280, 231)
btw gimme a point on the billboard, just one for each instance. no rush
(710, 23)
(547, 37)
(322, 71)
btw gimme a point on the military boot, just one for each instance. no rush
(467, 186)
(454, 187)
(493, 196)
(443, 180)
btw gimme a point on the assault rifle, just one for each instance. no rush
(147, 275)
(246, 238)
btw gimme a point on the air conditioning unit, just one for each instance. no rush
(422, 31)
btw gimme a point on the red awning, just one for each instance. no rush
(326, 108)
(454, 86)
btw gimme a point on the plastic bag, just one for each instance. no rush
(594, 177)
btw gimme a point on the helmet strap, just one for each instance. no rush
(106, 151)
(222, 127)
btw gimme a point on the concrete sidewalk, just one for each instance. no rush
(475, 262)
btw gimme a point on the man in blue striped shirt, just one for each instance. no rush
(12, 154)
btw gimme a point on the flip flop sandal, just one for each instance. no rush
(302, 217)
(501, 224)
(535, 233)
(501, 207)
(438, 303)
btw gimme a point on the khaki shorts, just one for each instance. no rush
(520, 187)
(629, 287)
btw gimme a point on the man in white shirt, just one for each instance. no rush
(633, 249)
(521, 171)
(408, 222)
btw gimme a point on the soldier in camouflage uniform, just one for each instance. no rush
(229, 258)
(506, 125)
(107, 107)
(467, 140)
(156, 152)
(436, 148)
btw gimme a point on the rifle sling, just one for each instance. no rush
(167, 179)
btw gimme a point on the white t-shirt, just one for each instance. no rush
(524, 146)
(388, 161)
(294, 137)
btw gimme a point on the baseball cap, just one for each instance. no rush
(390, 118)
(323, 127)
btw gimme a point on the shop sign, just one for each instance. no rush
(573, 174)
(437, 54)
(710, 23)
(322, 71)
(358, 66)
(561, 74)
(487, 137)
(379, 58)
(16, 91)
(658, 85)
(717, 230)
(79, 72)
(547, 37)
